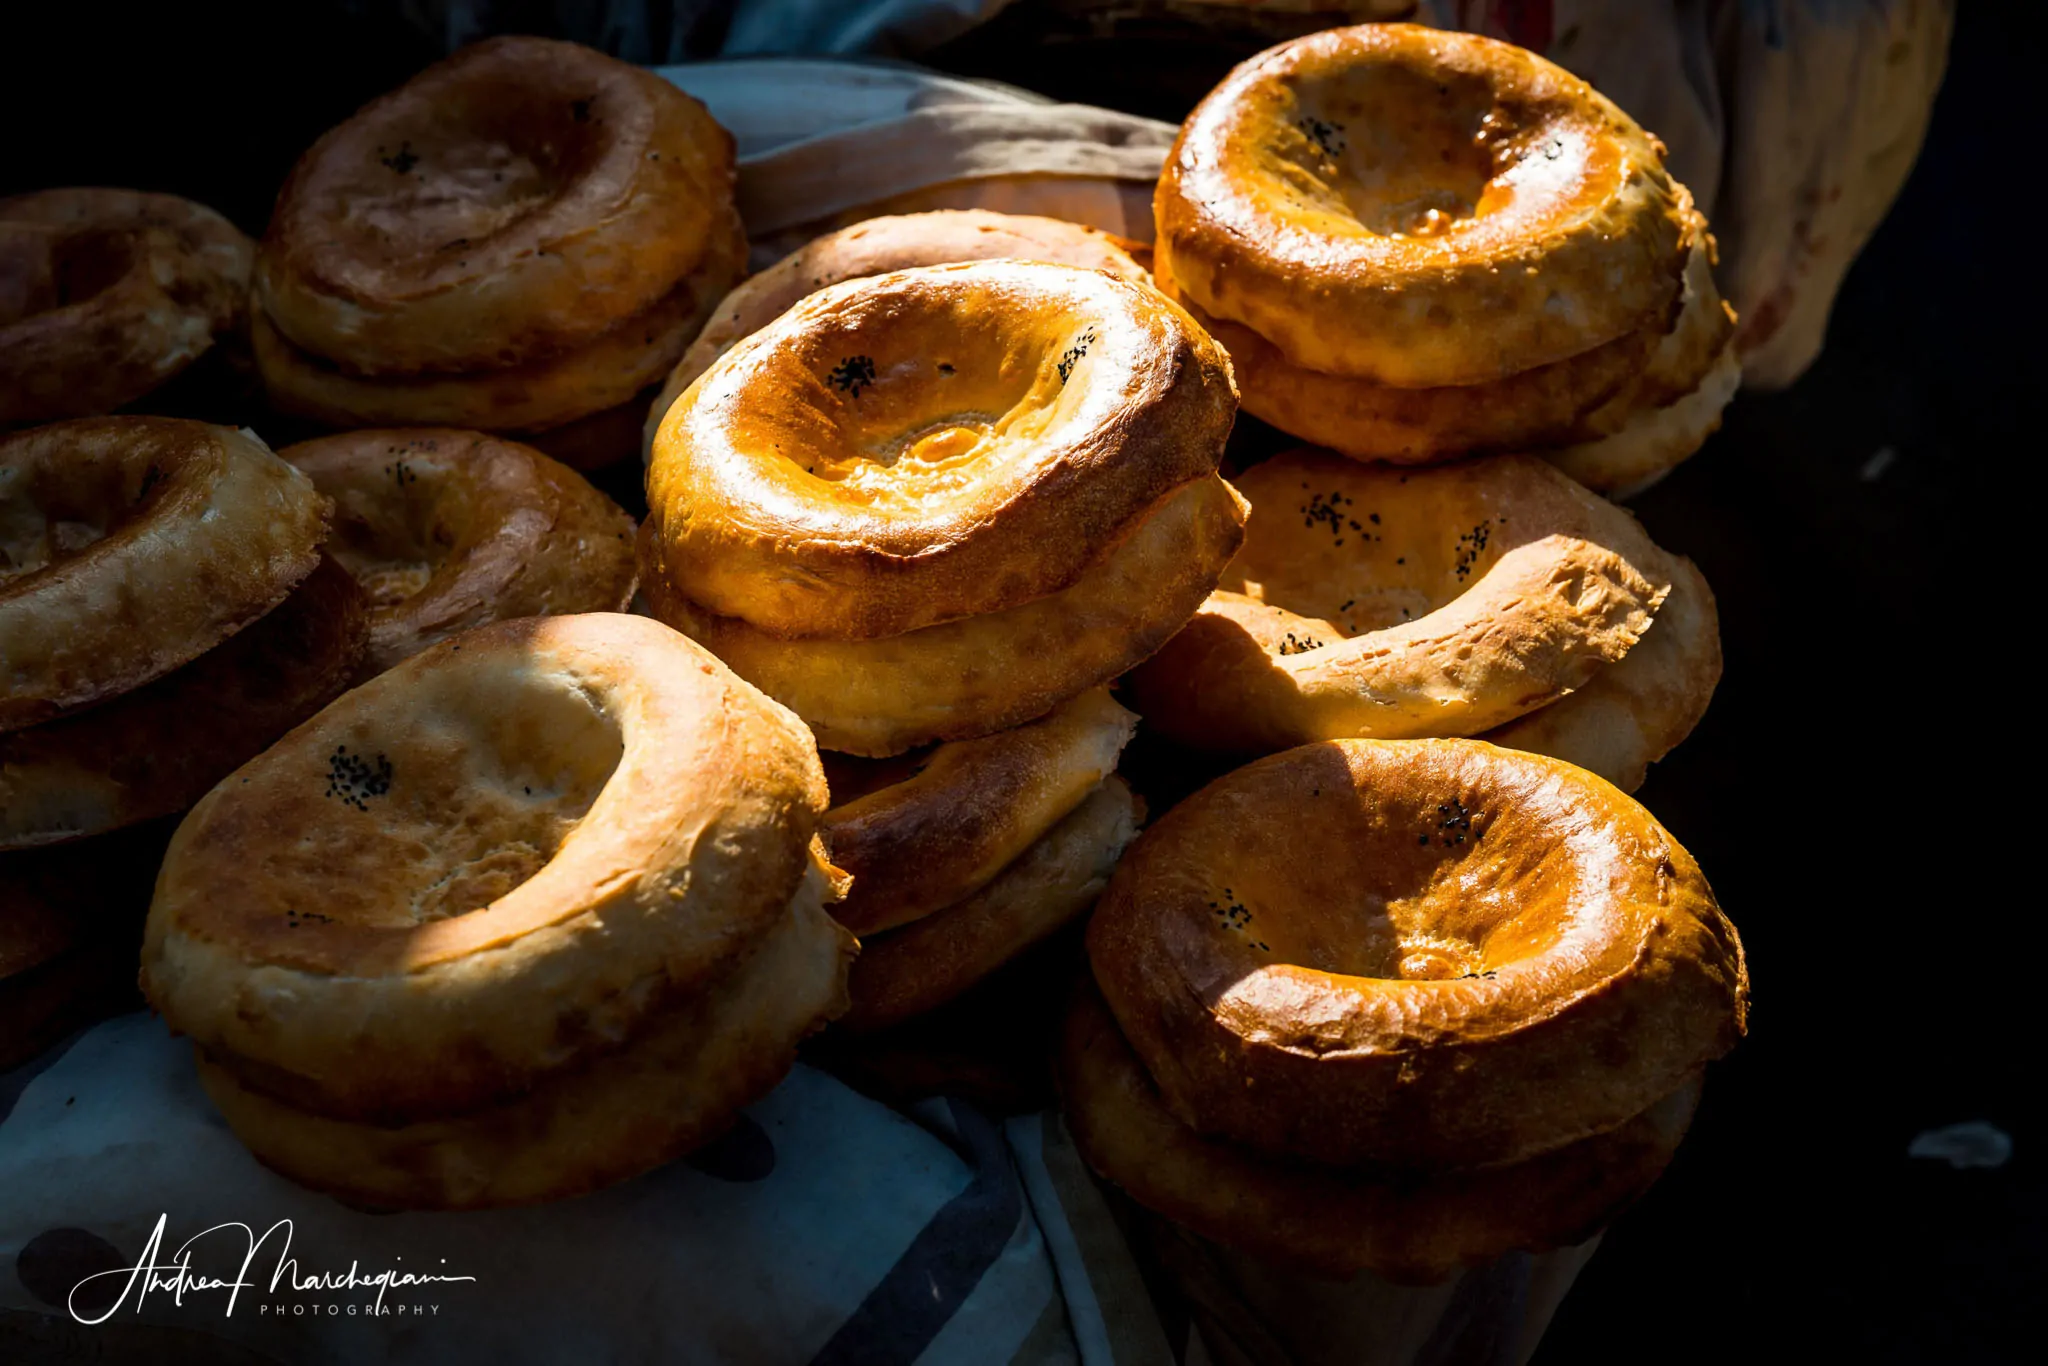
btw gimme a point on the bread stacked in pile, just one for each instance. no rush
(530, 913)
(166, 613)
(543, 902)
(933, 511)
(1475, 1022)
(1419, 244)
(118, 300)
(520, 239)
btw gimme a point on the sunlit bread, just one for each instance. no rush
(985, 673)
(1419, 208)
(511, 855)
(1634, 713)
(671, 1088)
(1367, 420)
(931, 445)
(1614, 417)
(876, 247)
(1379, 602)
(1490, 955)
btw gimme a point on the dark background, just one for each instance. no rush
(1853, 793)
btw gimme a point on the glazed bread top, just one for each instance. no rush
(518, 199)
(1419, 207)
(932, 444)
(1491, 954)
(493, 862)
(877, 246)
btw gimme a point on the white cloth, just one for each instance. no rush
(824, 143)
(825, 1227)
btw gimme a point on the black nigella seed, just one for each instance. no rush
(355, 779)
(1073, 354)
(852, 375)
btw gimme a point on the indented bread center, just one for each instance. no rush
(388, 584)
(447, 807)
(946, 442)
(439, 197)
(1410, 891)
(53, 513)
(1399, 153)
(481, 880)
(928, 460)
(51, 270)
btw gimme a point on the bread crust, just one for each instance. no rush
(604, 372)
(918, 842)
(1367, 420)
(918, 968)
(492, 864)
(985, 673)
(930, 445)
(1615, 418)
(146, 542)
(450, 529)
(1332, 1223)
(513, 203)
(1650, 442)
(110, 294)
(876, 247)
(1332, 195)
(669, 1090)
(1493, 955)
(156, 750)
(1371, 601)
(1637, 711)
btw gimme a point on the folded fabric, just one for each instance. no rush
(824, 1227)
(825, 143)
